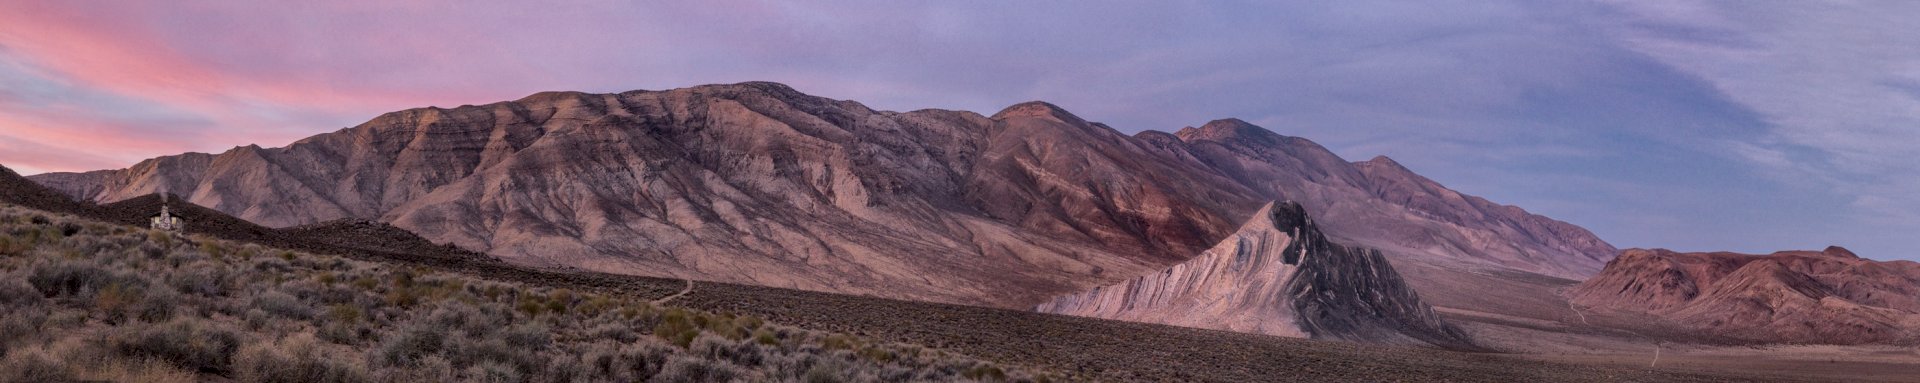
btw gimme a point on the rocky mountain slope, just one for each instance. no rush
(1829, 296)
(1277, 275)
(758, 183)
(344, 237)
(1379, 203)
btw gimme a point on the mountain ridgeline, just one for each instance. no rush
(758, 183)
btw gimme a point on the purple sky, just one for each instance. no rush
(1742, 126)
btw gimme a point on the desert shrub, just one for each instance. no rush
(283, 305)
(985, 372)
(157, 305)
(345, 313)
(33, 367)
(13, 246)
(365, 283)
(491, 371)
(201, 278)
(531, 305)
(614, 331)
(272, 266)
(119, 301)
(766, 337)
(493, 292)
(595, 305)
(622, 361)
(832, 370)
(343, 333)
(311, 290)
(473, 319)
(370, 321)
(677, 326)
(714, 347)
(17, 294)
(402, 297)
(684, 368)
(877, 354)
(839, 342)
(296, 359)
(115, 299)
(533, 336)
(188, 343)
(212, 248)
(20, 323)
(69, 278)
(161, 238)
(465, 351)
(417, 340)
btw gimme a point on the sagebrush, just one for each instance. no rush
(87, 301)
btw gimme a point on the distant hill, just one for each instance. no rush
(1829, 296)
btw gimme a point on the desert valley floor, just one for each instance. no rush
(1103, 350)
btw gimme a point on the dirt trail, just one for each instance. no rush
(669, 298)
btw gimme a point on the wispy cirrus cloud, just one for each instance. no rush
(1835, 82)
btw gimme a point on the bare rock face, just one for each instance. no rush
(757, 183)
(1830, 296)
(1381, 204)
(1277, 275)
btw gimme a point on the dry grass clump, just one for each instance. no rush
(89, 301)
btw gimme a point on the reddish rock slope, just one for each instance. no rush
(1830, 296)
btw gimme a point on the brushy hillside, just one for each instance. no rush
(88, 301)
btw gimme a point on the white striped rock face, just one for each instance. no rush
(1277, 275)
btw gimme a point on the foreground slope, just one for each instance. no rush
(85, 301)
(1277, 275)
(758, 183)
(1831, 296)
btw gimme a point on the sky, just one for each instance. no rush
(1749, 126)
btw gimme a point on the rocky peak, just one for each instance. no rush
(1841, 252)
(1385, 162)
(1228, 130)
(550, 97)
(1038, 109)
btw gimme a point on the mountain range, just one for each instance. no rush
(758, 183)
